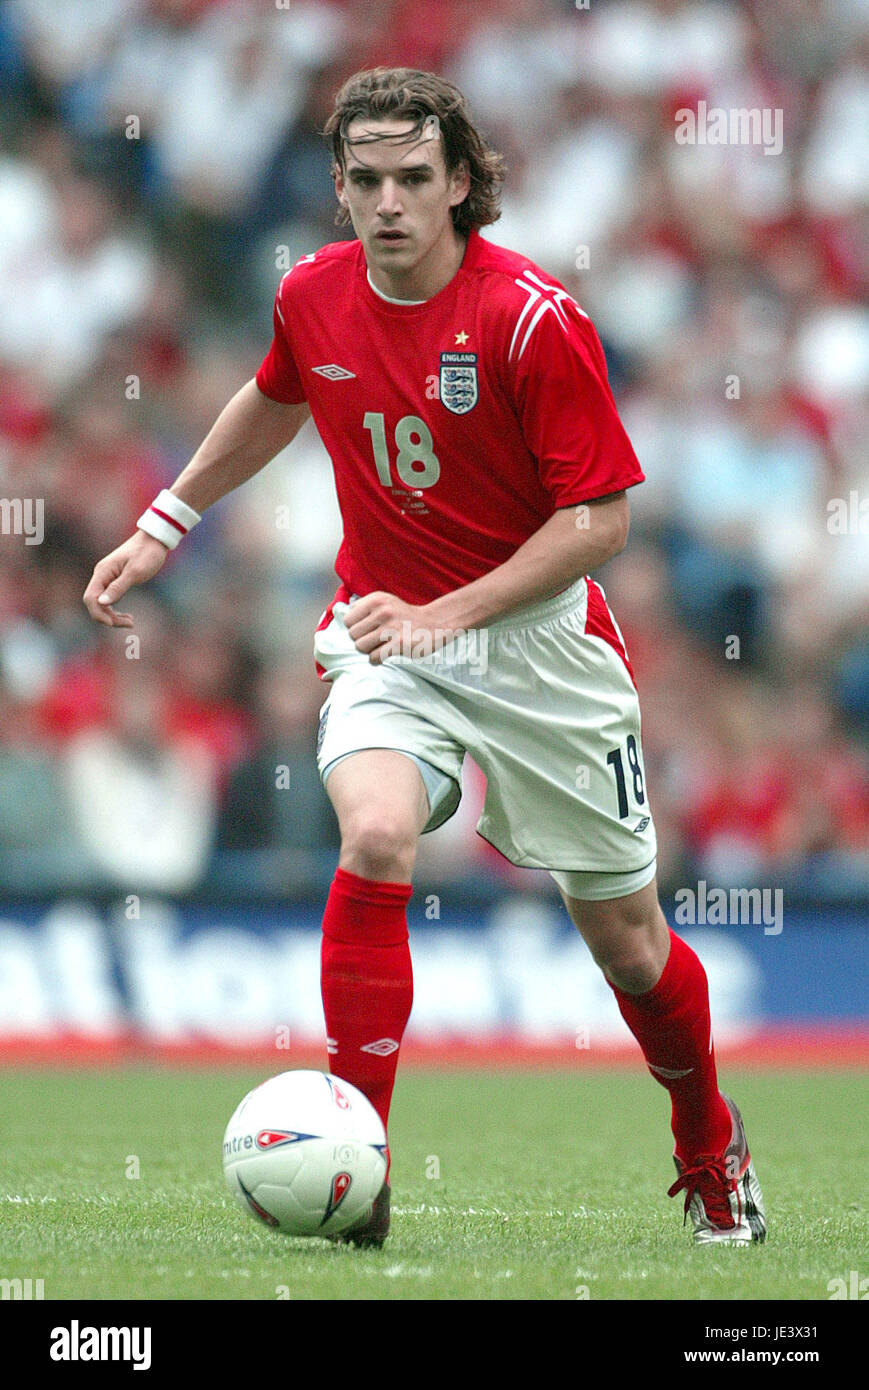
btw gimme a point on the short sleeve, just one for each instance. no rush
(566, 408)
(278, 376)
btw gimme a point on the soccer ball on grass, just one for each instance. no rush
(305, 1153)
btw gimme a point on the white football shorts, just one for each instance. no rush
(544, 703)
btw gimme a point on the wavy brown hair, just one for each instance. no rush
(408, 94)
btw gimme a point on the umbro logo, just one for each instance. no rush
(332, 372)
(670, 1073)
(384, 1047)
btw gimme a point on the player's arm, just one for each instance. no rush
(556, 374)
(247, 434)
(573, 542)
(558, 380)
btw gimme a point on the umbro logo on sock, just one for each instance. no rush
(382, 1048)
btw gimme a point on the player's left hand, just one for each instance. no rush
(382, 625)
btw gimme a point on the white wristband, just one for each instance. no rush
(168, 519)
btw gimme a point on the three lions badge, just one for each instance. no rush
(458, 381)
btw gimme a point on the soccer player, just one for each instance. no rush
(482, 472)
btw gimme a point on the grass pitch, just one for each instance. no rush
(506, 1185)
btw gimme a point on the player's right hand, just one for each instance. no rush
(134, 562)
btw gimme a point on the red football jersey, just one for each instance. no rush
(456, 427)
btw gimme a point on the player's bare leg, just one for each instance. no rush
(382, 807)
(628, 937)
(662, 993)
(367, 982)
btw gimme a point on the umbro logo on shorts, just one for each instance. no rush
(640, 825)
(332, 372)
(382, 1048)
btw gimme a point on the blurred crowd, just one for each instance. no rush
(161, 164)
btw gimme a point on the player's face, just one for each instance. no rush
(398, 193)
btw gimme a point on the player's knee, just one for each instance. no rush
(634, 969)
(629, 938)
(633, 960)
(631, 953)
(378, 844)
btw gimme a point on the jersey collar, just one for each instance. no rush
(403, 307)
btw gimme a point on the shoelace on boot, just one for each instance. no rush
(709, 1177)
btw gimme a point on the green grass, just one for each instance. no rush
(548, 1182)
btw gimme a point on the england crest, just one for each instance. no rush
(458, 381)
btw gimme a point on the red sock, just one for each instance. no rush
(367, 982)
(671, 1023)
